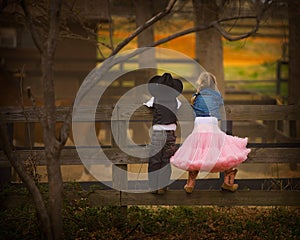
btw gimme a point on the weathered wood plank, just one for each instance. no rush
(97, 198)
(262, 112)
(28, 114)
(138, 112)
(177, 198)
(242, 101)
(209, 197)
(273, 155)
(252, 129)
(69, 156)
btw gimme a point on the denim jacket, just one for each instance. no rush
(208, 103)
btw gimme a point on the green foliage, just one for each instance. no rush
(83, 221)
(19, 223)
(265, 71)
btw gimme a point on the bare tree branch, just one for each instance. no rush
(100, 52)
(72, 13)
(230, 37)
(29, 20)
(65, 128)
(67, 34)
(110, 25)
(54, 26)
(214, 24)
(33, 103)
(147, 24)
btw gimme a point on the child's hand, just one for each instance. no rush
(193, 99)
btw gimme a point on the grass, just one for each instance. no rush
(265, 71)
(82, 221)
(263, 88)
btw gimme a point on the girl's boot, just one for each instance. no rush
(229, 184)
(189, 187)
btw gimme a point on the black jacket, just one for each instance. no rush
(164, 111)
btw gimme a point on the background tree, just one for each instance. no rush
(209, 47)
(144, 10)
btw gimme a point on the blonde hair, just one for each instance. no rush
(206, 80)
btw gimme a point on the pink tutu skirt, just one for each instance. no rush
(208, 149)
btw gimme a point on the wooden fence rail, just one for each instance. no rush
(69, 156)
(104, 113)
(289, 152)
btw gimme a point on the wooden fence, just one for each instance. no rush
(251, 191)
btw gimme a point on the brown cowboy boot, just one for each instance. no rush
(229, 184)
(189, 187)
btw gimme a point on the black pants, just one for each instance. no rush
(162, 147)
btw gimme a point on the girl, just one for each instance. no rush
(207, 148)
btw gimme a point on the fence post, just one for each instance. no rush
(279, 79)
(119, 171)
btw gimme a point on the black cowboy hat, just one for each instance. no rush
(166, 79)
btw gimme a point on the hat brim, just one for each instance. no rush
(171, 86)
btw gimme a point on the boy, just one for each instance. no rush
(164, 103)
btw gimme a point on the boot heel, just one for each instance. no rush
(229, 184)
(188, 189)
(226, 187)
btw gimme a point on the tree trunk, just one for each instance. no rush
(144, 11)
(55, 192)
(52, 145)
(209, 48)
(41, 209)
(52, 149)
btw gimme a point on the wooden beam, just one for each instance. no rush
(200, 198)
(142, 113)
(273, 155)
(69, 156)
(176, 198)
(262, 112)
